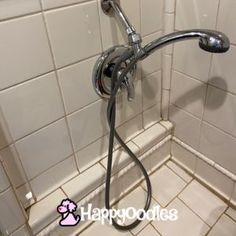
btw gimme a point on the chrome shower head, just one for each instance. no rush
(214, 41)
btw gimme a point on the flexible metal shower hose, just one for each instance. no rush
(111, 117)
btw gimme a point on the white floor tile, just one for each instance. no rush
(165, 185)
(179, 171)
(232, 213)
(224, 227)
(187, 224)
(203, 202)
(149, 231)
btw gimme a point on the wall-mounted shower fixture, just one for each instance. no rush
(116, 69)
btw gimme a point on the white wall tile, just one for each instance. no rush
(167, 67)
(196, 14)
(85, 183)
(151, 88)
(151, 115)
(223, 70)
(5, 136)
(23, 231)
(44, 148)
(214, 178)
(187, 127)
(12, 8)
(13, 165)
(220, 110)
(188, 93)
(47, 4)
(23, 193)
(88, 124)
(45, 211)
(10, 212)
(169, 6)
(149, 9)
(76, 84)
(153, 62)
(25, 49)
(191, 60)
(111, 31)
(53, 178)
(226, 17)
(218, 146)
(38, 102)
(74, 32)
(169, 23)
(4, 182)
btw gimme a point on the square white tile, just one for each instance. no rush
(231, 212)
(225, 226)
(151, 116)
(187, 223)
(74, 32)
(45, 148)
(76, 87)
(166, 185)
(149, 230)
(4, 181)
(188, 93)
(48, 4)
(150, 8)
(12, 8)
(203, 202)
(35, 110)
(20, 39)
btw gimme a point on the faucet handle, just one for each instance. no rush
(128, 83)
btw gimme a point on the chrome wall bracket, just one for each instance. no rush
(102, 73)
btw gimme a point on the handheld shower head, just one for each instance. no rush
(209, 40)
(214, 41)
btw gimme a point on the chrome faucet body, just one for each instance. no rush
(209, 40)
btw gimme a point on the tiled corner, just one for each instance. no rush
(53, 178)
(214, 178)
(151, 88)
(188, 93)
(153, 62)
(214, 144)
(187, 126)
(77, 90)
(35, 110)
(4, 182)
(22, 38)
(10, 212)
(225, 226)
(150, 137)
(44, 212)
(187, 223)
(13, 165)
(13, 8)
(71, 41)
(166, 185)
(85, 182)
(203, 202)
(149, 230)
(192, 14)
(179, 171)
(183, 156)
(25, 195)
(91, 118)
(149, 8)
(44, 148)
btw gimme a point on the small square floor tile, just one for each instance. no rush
(149, 231)
(166, 185)
(203, 202)
(187, 224)
(224, 227)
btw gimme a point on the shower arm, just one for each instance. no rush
(134, 38)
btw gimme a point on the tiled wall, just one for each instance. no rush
(52, 124)
(203, 85)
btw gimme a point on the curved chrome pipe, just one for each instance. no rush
(209, 40)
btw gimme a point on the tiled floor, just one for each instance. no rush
(200, 212)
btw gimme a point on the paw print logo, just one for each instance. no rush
(67, 210)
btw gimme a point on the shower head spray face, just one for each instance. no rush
(214, 41)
